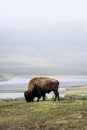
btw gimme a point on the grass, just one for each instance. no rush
(68, 114)
(76, 90)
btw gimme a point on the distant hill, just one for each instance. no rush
(6, 73)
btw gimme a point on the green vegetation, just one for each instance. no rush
(76, 90)
(68, 114)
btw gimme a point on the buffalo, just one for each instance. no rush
(39, 86)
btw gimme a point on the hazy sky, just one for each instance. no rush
(44, 33)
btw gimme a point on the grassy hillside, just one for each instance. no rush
(76, 90)
(68, 114)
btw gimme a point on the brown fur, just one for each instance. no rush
(39, 86)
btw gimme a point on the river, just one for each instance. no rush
(20, 83)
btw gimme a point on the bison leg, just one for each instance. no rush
(56, 95)
(39, 97)
(43, 95)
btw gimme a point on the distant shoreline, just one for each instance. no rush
(5, 77)
(12, 91)
(79, 87)
(14, 94)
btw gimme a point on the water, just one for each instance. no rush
(20, 83)
(21, 94)
(11, 95)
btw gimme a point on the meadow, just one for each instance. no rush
(70, 113)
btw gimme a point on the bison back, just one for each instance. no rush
(44, 83)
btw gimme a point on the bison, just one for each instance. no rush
(39, 86)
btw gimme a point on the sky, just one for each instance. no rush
(44, 33)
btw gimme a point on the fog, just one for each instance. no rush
(43, 36)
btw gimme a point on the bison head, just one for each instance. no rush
(28, 96)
